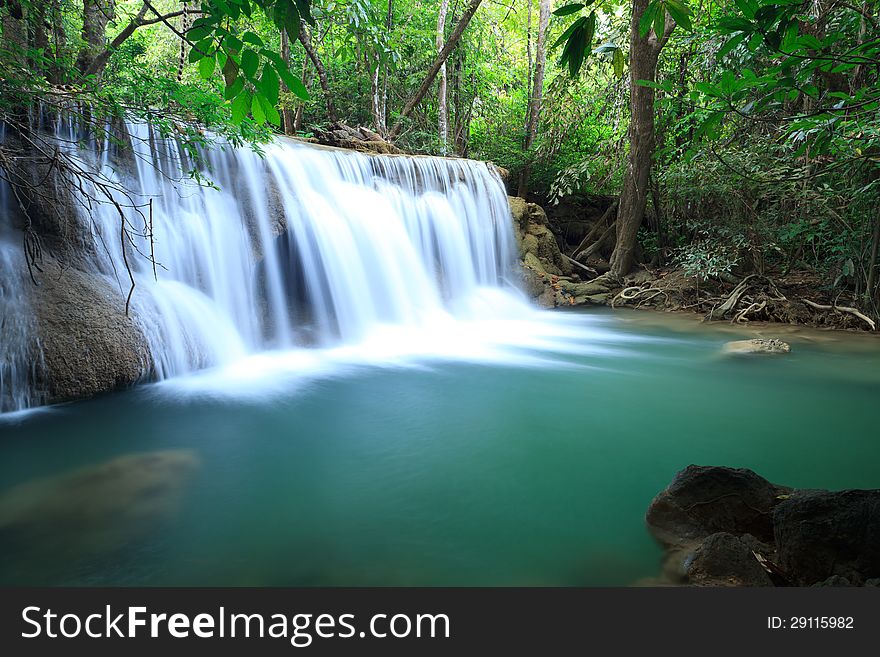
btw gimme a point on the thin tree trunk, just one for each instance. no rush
(872, 263)
(453, 40)
(534, 112)
(305, 39)
(644, 52)
(529, 62)
(15, 32)
(287, 115)
(96, 15)
(389, 19)
(307, 75)
(59, 41)
(442, 111)
(375, 97)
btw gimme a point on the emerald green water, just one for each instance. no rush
(530, 467)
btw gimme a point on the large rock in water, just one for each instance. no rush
(730, 527)
(89, 345)
(704, 500)
(821, 534)
(755, 347)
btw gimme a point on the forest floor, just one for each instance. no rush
(790, 298)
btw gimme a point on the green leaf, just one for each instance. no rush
(269, 111)
(240, 106)
(730, 45)
(617, 61)
(680, 13)
(206, 67)
(232, 43)
(269, 84)
(747, 7)
(287, 16)
(253, 39)
(257, 109)
(569, 31)
(293, 83)
(569, 9)
(305, 13)
(660, 20)
(234, 89)
(250, 61)
(197, 33)
(648, 18)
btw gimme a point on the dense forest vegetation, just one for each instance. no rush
(739, 136)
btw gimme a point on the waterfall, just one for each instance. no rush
(297, 247)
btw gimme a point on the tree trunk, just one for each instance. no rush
(442, 111)
(389, 19)
(872, 264)
(307, 75)
(15, 34)
(453, 40)
(96, 15)
(305, 39)
(376, 98)
(287, 115)
(528, 61)
(59, 42)
(534, 110)
(644, 52)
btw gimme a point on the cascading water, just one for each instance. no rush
(304, 246)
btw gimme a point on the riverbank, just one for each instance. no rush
(553, 279)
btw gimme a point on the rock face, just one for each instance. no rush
(90, 346)
(730, 527)
(547, 276)
(756, 346)
(822, 534)
(534, 238)
(727, 560)
(704, 500)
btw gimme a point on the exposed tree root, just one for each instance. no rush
(743, 315)
(843, 309)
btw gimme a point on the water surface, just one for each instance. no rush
(494, 453)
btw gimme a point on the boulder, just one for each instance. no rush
(822, 534)
(756, 346)
(360, 139)
(723, 559)
(704, 500)
(89, 344)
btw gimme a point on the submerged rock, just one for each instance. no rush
(703, 500)
(756, 346)
(97, 508)
(821, 534)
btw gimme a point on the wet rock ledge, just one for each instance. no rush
(730, 527)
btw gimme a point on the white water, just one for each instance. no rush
(304, 247)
